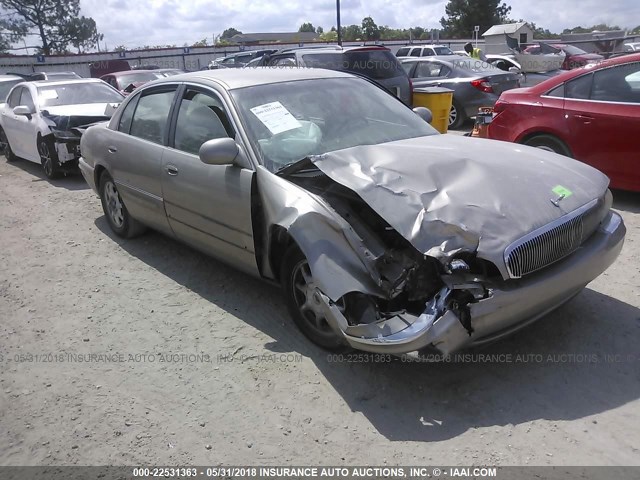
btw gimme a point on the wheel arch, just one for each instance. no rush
(525, 137)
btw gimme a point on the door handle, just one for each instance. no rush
(112, 149)
(171, 170)
(585, 118)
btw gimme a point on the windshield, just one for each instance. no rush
(139, 77)
(571, 50)
(5, 88)
(289, 121)
(77, 94)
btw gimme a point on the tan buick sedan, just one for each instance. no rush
(385, 236)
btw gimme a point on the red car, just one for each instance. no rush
(128, 80)
(591, 114)
(575, 57)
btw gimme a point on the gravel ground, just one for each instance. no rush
(205, 367)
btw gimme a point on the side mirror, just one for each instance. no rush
(424, 113)
(219, 151)
(22, 110)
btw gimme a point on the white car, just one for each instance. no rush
(423, 51)
(42, 121)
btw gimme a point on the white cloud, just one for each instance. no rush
(156, 22)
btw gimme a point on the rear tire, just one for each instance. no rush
(120, 221)
(49, 158)
(456, 115)
(6, 147)
(548, 143)
(304, 307)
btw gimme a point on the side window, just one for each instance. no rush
(283, 61)
(14, 98)
(415, 52)
(579, 88)
(27, 100)
(151, 115)
(403, 52)
(617, 84)
(127, 115)
(427, 52)
(201, 117)
(557, 92)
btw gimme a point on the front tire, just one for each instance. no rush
(49, 158)
(6, 147)
(548, 143)
(122, 224)
(302, 302)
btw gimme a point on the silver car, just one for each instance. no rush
(385, 235)
(474, 83)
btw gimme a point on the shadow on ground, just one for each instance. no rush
(72, 181)
(579, 361)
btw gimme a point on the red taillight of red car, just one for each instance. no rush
(483, 85)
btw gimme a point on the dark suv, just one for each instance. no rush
(375, 63)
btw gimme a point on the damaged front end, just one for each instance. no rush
(416, 300)
(66, 131)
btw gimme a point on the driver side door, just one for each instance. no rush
(208, 206)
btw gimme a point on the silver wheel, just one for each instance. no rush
(453, 115)
(113, 204)
(308, 300)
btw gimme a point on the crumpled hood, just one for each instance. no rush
(445, 193)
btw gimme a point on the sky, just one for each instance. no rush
(161, 22)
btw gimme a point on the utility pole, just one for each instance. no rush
(338, 22)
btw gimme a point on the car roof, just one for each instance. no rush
(576, 72)
(333, 49)
(67, 81)
(428, 45)
(233, 78)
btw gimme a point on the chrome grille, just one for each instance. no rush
(548, 244)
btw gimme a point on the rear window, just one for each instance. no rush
(375, 64)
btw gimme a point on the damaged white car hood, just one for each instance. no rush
(446, 194)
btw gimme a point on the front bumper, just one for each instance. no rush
(510, 305)
(88, 174)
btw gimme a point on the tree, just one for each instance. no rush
(319, 30)
(229, 32)
(10, 36)
(635, 31)
(464, 15)
(330, 36)
(370, 30)
(351, 33)
(307, 27)
(602, 27)
(57, 22)
(201, 43)
(82, 33)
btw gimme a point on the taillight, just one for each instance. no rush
(483, 85)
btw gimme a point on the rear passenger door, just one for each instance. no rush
(208, 206)
(135, 153)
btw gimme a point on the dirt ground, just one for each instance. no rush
(147, 352)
